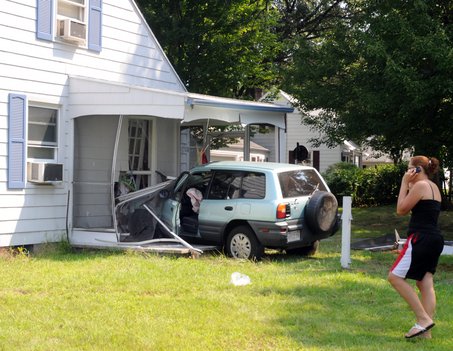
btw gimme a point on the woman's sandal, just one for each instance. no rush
(420, 331)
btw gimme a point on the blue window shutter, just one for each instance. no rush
(95, 25)
(44, 19)
(17, 117)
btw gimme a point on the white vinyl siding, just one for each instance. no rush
(41, 69)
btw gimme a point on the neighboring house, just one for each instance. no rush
(298, 133)
(88, 103)
(234, 152)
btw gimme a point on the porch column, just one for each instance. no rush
(247, 143)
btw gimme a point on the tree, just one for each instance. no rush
(382, 75)
(218, 47)
(234, 48)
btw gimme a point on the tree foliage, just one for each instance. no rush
(382, 75)
(219, 47)
(233, 48)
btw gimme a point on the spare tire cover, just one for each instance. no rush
(321, 212)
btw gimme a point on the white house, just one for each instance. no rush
(234, 152)
(298, 133)
(88, 98)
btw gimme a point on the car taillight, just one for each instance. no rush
(283, 211)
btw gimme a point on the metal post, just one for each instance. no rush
(346, 232)
(247, 143)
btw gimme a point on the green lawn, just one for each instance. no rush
(373, 222)
(62, 299)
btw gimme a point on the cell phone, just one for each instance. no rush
(418, 169)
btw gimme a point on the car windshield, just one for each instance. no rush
(300, 183)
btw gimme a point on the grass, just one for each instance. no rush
(60, 299)
(376, 221)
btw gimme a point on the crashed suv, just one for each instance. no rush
(240, 207)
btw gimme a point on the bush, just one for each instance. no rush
(373, 186)
(342, 179)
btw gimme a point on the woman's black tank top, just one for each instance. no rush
(424, 217)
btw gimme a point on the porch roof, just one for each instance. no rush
(97, 97)
(230, 111)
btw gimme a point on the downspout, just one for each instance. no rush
(112, 179)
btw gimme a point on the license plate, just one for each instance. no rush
(293, 236)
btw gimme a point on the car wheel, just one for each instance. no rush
(321, 212)
(242, 243)
(305, 251)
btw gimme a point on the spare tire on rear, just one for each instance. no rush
(321, 212)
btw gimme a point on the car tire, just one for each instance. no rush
(305, 251)
(242, 243)
(321, 212)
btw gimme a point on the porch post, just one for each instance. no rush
(247, 143)
(112, 179)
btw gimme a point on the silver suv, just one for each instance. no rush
(240, 207)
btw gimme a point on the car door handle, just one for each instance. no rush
(229, 208)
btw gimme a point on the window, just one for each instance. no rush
(73, 9)
(73, 21)
(42, 133)
(253, 186)
(300, 183)
(238, 185)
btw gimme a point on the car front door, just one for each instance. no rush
(218, 208)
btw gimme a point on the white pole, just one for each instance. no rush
(346, 232)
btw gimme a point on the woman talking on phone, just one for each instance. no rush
(420, 255)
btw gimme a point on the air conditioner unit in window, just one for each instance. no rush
(44, 173)
(71, 30)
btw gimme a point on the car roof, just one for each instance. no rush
(249, 166)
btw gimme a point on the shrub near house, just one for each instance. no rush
(374, 186)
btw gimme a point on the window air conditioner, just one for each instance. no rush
(71, 30)
(44, 173)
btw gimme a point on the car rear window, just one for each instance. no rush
(300, 183)
(238, 185)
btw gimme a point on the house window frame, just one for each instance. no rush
(54, 146)
(72, 5)
(62, 11)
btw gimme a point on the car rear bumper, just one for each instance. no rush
(286, 235)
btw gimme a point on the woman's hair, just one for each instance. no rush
(429, 164)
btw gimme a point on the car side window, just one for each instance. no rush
(238, 185)
(223, 185)
(253, 186)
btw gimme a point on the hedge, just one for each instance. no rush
(372, 186)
